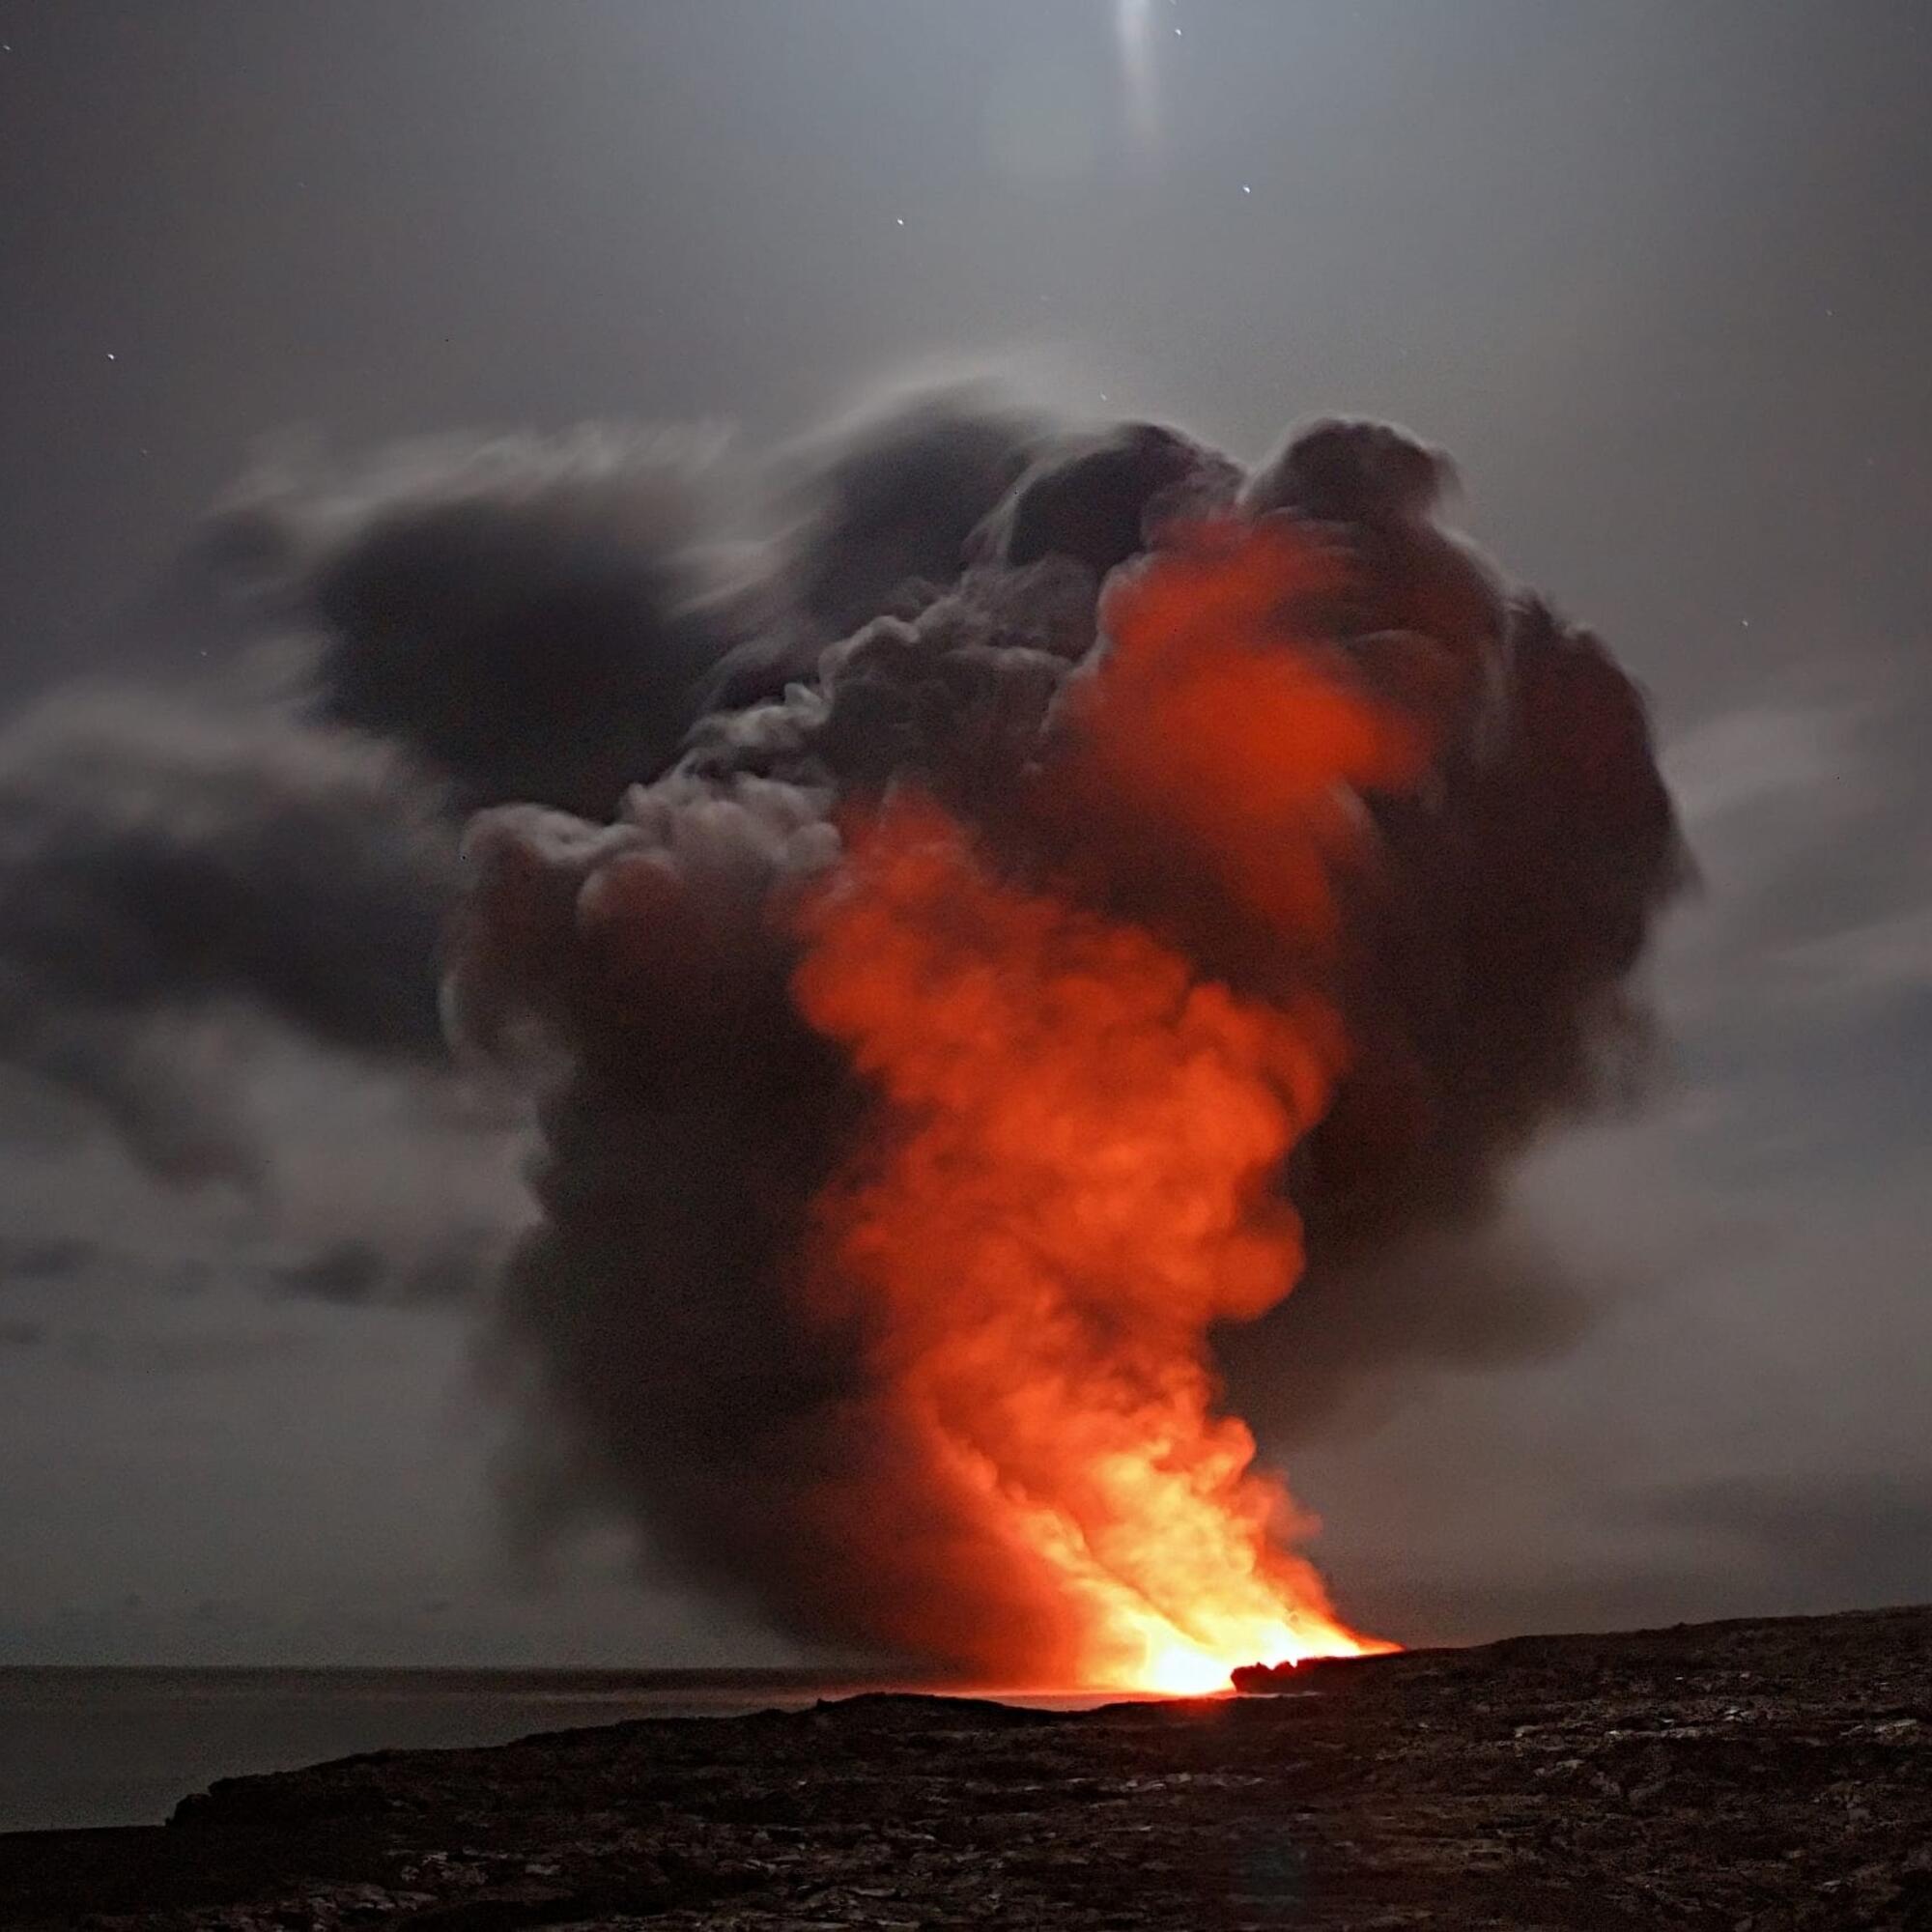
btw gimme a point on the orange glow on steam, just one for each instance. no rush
(1072, 1171)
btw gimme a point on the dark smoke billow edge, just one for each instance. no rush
(552, 622)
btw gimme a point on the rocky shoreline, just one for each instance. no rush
(1754, 1777)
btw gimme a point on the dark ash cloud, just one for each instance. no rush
(670, 1371)
(683, 669)
(160, 862)
(867, 512)
(531, 619)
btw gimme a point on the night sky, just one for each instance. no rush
(1656, 273)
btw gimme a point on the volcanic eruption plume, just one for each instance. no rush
(1070, 1178)
(958, 1038)
(984, 909)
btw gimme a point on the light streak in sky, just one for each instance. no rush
(1133, 28)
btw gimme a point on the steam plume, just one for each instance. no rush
(724, 701)
(680, 1366)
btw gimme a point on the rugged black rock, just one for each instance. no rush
(1756, 1777)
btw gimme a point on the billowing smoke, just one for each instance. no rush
(864, 517)
(1131, 692)
(455, 624)
(162, 862)
(531, 619)
(1473, 929)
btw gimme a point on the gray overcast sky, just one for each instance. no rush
(1659, 274)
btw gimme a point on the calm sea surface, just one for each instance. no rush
(121, 1746)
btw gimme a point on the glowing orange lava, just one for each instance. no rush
(1073, 1171)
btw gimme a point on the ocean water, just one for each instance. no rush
(121, 1746)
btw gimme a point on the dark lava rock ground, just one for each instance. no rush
(1753, 1776)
